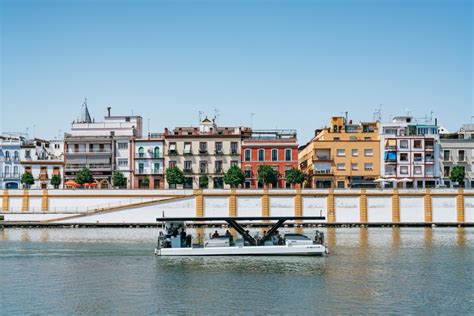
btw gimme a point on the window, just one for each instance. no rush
(418, 157)
(247, 154)
(368, 152)
(461, 155)
(172, 147)
(218, 147)
(403, 157)
(202, 147)
(156, 168)
(368, 166)
(341, 166)
(403, 169)
(188, 183)
(446, 171)
(187, 148)
(288, 156)
(336, 138)
(141, 168)
(122, 145)
(122, 162)
(340, 184)
(172, 164)
(188, 166)
(367, 139)
(274, 154)
(141, 152)
(218, 166)
(261, 155)
(234, 147)
(218, 183)
(7, 170)
(156, 152)
(16, 155)
(417, 170)
(28, 153)
(234, 163)
(446, 155)
(16, 171)
(417, 144)
(354, 166)
(7, 155)
(203, 167)
(404, 143)
(341, 152)
(355, 152)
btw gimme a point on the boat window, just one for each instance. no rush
(296, 237)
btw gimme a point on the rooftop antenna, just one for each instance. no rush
(378, 114)
(200, 116)
(216, 115)
(251, 119)
(408, 111)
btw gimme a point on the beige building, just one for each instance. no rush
(344, 155)
(202, 151)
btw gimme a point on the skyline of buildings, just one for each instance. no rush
(403, 153)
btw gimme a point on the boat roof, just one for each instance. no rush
(243, 218)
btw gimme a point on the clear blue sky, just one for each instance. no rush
(292, 63)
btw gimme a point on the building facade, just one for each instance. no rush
(277, 148)
(344, 155)
(207, 150)
(10, 165)
(457, 149)
(43, 159)
(149, 162)
(101, 146)
(410, 153)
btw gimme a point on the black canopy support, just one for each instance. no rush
(242, 232)
(272, 231)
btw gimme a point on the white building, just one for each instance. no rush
(149, 162)
(410, 153)
(43, 159)
(10, 166)
(101, 146)
(457, 149)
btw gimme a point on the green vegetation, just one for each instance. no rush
(174, 176)
(55, 181)
(27, 179)
(203, 181)
(118, 179)
(295, 176)
(267, 175)
(458, 174)
(84, 176)
(234, 176)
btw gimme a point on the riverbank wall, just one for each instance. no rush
(371, 207)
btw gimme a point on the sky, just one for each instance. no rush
(294, 64)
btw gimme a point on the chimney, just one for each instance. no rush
(108, 111)
(436, 121)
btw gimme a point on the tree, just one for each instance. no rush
(203, 181)
(234, 176)
(145, 182)
(174, 176)
(55, 181)
(267, 175)
(295, 176)
(27, 179)
(84, 176)
(118, 179)
(458, 174)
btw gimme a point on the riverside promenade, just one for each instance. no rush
(446, 207)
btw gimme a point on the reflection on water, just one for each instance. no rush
(113, 271)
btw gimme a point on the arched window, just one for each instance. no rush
(141, 152)
(7, 154)
(288, 155)
(7, 171)
(16, 155)
(274, 154)
(156, 152)
(261, 155)
(248, 155)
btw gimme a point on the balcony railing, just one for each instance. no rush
(203, 151)
(219, 170)
(322, 158)
(235, 153)
(323, 171)
(172, 152)
(188, 170)
(219, 152)
(9, 175)
(203, 170)
(188, 152)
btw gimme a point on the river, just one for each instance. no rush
(94, 271)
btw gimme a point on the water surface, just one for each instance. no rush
(113, 271)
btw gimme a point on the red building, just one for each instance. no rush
(277, 148)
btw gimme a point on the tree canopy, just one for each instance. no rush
(174, 176)
(267, 175)
(458, 174)
(234, 176)
(27, 179)
(295, 176)
(118, 179)
(84, 176)
(55, 180)
(203, 181)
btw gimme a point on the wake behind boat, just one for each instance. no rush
(174, 241)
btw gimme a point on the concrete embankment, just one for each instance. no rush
(141, 207)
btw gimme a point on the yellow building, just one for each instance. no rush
(344, 155)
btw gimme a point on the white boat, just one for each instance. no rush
(173, 240)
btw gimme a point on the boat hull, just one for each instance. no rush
(301, 250)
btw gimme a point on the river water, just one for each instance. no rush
(113, 271)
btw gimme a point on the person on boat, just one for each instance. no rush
(216, 234)
(182, 234)
(189, 240)
(228, 234)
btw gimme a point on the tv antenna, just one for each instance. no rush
(251, 119)
(378, 114)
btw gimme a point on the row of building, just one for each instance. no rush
(403, 153)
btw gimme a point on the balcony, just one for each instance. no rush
(157, 171)
(219, 170)
(98, 166)
(172, 152)
(323, 172)
(219, 152)
(43, 177)
(188, 170)
(203, 170)
(9, 175)
(322, 158)
(203, 151)
(188, 153)
(235, 153)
